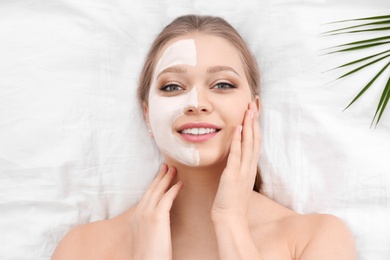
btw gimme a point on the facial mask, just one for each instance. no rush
(163, 111)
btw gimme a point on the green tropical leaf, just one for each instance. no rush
(382, 102)
(368, 85)
(365, 30)
(360, 60)
(360, 47)
(379, 39)
(357, 26)
(365, 18)
(360, 26)
(362, 67)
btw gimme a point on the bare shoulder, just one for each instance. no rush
(105, 239)
(323, 236)
(309, 236)
(82, 241)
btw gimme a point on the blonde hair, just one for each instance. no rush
(208, 25)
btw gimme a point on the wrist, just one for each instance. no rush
(230, 221)
(234, 238)
(228, 217)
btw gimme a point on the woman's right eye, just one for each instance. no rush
(171, 88)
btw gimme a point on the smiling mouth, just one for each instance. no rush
(198, 131)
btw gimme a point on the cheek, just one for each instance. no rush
(162, 113)
(165, 110)
(234, 114)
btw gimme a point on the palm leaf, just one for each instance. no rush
(368, 85)
(364, 30)
(365, 27)
(364, 46)
(360, 60)
(379, 39)
(364, 66)
(358, 26)
(382, 102)
(365, 18)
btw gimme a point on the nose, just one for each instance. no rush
(200, 109)
(203, 107)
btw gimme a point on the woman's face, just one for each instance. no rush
(199, 94)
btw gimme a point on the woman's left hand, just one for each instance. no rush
(237, 180)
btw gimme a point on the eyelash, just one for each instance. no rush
(165, 88)
(230, 85)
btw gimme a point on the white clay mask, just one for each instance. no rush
(163, 111)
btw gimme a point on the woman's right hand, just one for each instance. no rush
(150, 224)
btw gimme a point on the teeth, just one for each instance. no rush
(198, 131)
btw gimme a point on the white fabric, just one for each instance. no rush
(74, 148)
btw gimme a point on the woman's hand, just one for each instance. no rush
(150, 225)
(229, 211)
(236, 184)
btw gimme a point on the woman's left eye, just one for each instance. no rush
(224, 85)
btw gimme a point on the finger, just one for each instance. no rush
(166, 201)
(160, 189)
(256, 144)
(256, 138)
(247, 140)
(161, 173)
(234, 158)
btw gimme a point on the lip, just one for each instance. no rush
(197, 138)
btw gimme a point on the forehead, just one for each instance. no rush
(209, 50)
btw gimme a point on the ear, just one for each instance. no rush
(146, 115)
(146, 112)
(257, 101)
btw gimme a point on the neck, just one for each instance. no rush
(194, 202)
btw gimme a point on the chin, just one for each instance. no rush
(208, 158)
(212, 161)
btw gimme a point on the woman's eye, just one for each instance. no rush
(224, 85)
(171, 88)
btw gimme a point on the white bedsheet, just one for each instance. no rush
(74, 149)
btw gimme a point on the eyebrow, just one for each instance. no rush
(175, 69)
(216, 69)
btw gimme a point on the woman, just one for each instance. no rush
(199, 91)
